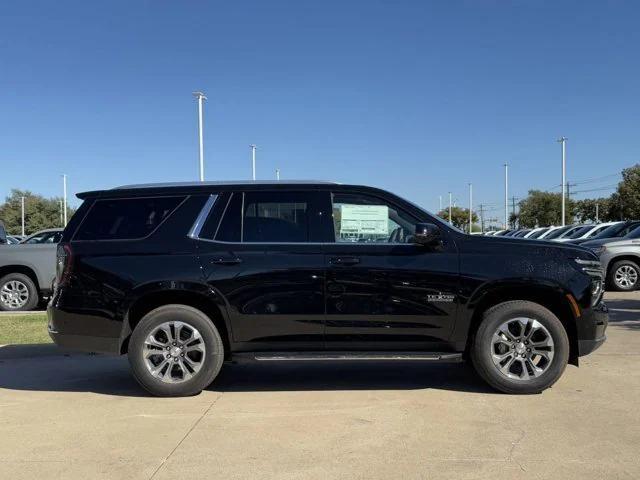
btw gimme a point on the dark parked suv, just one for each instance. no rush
(182, 277)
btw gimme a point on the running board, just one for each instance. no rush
(352, 356)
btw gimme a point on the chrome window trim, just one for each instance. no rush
(202, 217)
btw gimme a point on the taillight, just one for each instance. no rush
(63, 263)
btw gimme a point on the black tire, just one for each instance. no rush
(211, 361)
(630, 267)
(32, 292)
(482, 344)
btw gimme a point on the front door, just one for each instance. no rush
(263, 261)
(383, 291)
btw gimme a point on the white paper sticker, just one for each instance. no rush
(364, 219)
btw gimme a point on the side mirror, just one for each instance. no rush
(426, 234)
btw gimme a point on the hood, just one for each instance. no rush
(566, 249)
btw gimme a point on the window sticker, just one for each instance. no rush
(364, 221)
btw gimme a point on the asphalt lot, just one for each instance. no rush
(83, 416)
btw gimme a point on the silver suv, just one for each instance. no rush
(620, 259)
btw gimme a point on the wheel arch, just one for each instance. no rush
(23, 269)
(201, 298)
(623, 256)
(552, 297)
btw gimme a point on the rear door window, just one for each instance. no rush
(271, 217)
(126, 219)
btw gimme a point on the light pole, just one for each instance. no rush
(22, 205)
(440, 196)
(64, 199)
(201, 97)
(470, 206)
(563, 141)
(506, 195)
(450, 200)
(278, 174)
(253, 161)
(597, 205)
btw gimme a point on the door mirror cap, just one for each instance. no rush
(426, 234)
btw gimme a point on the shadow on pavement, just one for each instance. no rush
(111, 376)
(624, 312)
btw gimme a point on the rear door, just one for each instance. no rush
(383, 291)
(265, 259)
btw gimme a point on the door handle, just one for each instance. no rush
(344, 260)
(226, 261)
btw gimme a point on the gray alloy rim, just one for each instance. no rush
(174, 352)
(626, 276)
(14, 294)
(522, 349)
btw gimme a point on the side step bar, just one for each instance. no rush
(350, 356)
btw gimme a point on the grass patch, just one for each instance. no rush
(23, 328)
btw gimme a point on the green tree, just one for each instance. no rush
(460, 218)
(40, 212)
(585, 210)
(627, 197)
(543, 209)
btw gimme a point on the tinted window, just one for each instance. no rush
(44, 237)
(126, 218)
(557, 232)
(276, 217)
(231, 224)
(538, 233)
(364, 219)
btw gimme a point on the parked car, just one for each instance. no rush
(502, 233)
(522, 233)
(181, 277)
(555, 232)
(11, 240)
(537, 232)
(27, 270)
(615, 230)
(620, 259)
(585, 232)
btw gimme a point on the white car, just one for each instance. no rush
(537, 232)
(583, 231)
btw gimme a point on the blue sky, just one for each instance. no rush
(419, 97)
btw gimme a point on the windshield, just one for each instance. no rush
(578, 232)
(538, 233)
(635, 233)
(557, 232)
(617, 230)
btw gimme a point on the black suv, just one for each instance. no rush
(182, 277)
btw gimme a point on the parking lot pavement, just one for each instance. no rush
(83, 416)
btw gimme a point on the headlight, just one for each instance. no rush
(594, 270)
(599, 250)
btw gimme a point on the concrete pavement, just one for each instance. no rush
(82, 416)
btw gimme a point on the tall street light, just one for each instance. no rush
(470, 206)
(64, 199)
(506, 195)
(563, 141)
(277, 174)
(253, 161)
(450, 203)
(22, 205)
(440, 196)
(201, 97)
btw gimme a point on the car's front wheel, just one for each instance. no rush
(623, 276)
(520, 347)
(175, 350)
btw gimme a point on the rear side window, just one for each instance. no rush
(270, 217)
(126, 219)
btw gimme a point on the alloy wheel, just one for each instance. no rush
(522, 348)
(626, 277)
(14, 294)
(174, 352)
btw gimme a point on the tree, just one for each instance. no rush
(543, 209)
(40, 212)
(459, 217)
(585, 210)
(627, 196)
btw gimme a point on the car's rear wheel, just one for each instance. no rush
(624, 275)
(17, 293)
(175, 351)
(520, 347)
